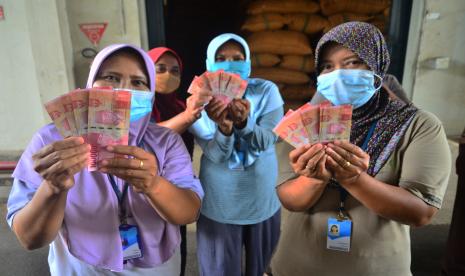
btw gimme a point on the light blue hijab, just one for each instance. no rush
(263, 96)
(218, 41)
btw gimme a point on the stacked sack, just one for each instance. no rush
(280, 46)
(375, 12)
(281, 33)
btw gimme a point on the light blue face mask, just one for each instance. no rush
(241, 68)
(348, 86)
(141, 103)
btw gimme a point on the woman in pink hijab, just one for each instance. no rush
(171, 111)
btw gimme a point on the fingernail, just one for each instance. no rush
(105, 162)
(110, 148)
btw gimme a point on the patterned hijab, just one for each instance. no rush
(391, 118)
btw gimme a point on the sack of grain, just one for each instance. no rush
(305, 22)
(329, 7)
(298, 92)
(279, 75)
(380, 24)
(280, 43)
(337, 19)
(380, 21)
(298, 63)
(283, 6)
(387, 12)
(264, 21)
(265, 60)
(281, 86)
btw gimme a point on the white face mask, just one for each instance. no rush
(348, 86)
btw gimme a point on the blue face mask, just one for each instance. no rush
(241, 68)
(347, 86)
(141, 103)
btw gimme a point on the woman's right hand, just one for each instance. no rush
(58, 162)
(195, 104)
(218, 112)
(310, 161)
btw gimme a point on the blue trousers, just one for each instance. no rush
(220, 246)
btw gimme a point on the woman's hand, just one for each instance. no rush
(140, 171)
(218, 112)
(58, 162)
(310, 161)
(346, 161)
(239, 111)
(195, 104)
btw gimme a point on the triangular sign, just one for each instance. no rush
(93, 31)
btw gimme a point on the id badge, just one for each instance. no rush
(339, 232)
(130, 241)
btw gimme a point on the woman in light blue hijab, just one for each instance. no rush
(238, 169)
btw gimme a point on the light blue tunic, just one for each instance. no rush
(239, 172)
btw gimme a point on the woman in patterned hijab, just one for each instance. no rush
(391, 174)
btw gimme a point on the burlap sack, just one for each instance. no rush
(337, 19)
(264, 21)
(265, 60)
(380, 24)
(298, 92)
(305, 22)
(281, 86)
(283, 6)
(329, 7)
(298, 63)
(280, 43)
(279, 75)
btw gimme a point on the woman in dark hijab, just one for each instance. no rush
(391, 175)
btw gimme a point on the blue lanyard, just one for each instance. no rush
(342, 192)
(121, 196)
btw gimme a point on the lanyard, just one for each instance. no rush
(121, 196)
(342, 192)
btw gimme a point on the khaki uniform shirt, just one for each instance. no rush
(420, 164)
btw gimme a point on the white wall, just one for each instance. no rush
(32, 68)
(438, 30)
(123, 26)
(40, 56)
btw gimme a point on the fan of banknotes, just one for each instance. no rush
(312, 124)
(224, 86)
(99, 115)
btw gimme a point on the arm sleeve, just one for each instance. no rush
(219, 148)
(178, 167)
(285, 171)
(20, 195)
(259, 135)
(427, 162)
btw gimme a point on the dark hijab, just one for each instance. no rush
(391, 118)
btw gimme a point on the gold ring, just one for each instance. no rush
(141, 165)
(346, 164)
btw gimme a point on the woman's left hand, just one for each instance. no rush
(239, 111)
(141, 171)
(346, 161)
